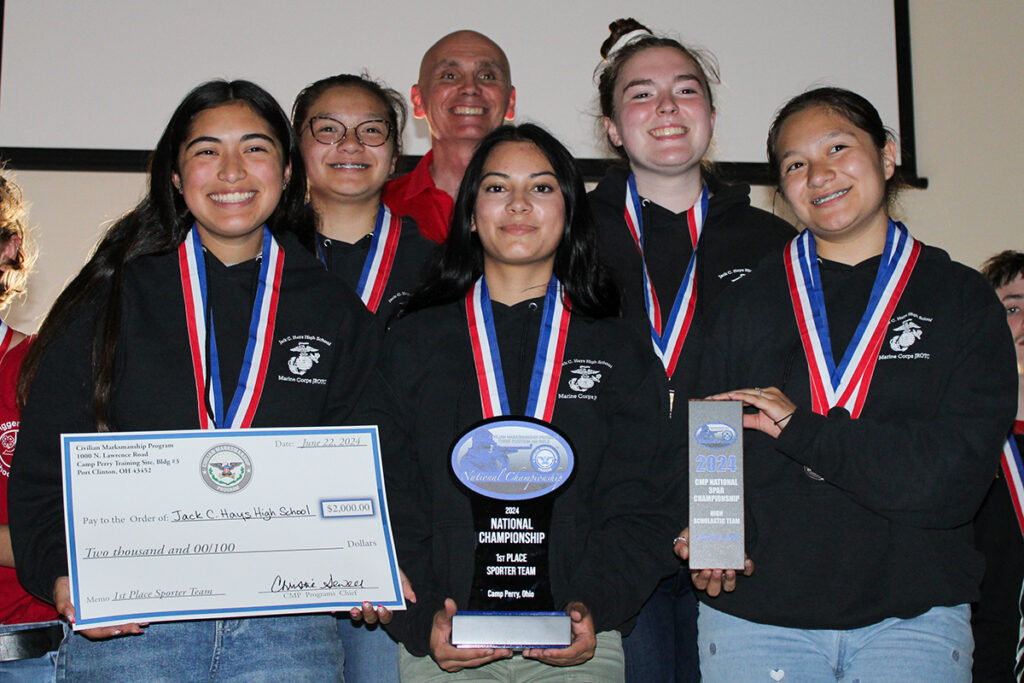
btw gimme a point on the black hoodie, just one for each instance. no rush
(609, 525)
(887, 533)
(736, 236)
(347, 261)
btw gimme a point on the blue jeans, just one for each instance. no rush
(663, 645)
(304, 647)
(36, 670)
(370, 654)
(936, 646)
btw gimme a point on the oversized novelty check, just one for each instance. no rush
(166, 526)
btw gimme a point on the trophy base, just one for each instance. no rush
(513, 630)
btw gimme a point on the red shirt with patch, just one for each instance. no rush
(16, 605)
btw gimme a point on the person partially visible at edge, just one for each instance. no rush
(522, 237)
(674, 234)
(225, 206)
(881, 384)
(464, 91)
(349, 129)
(29, 630)
(998, 530)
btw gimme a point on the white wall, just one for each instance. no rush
(969, 101)
(67, 213)
(78, 49)
(969, 107)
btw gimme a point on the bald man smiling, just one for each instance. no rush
(464, 91)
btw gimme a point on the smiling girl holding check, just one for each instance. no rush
(176, 322)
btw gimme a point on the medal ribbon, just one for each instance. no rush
(847, 383)
(668, 339)
(261, 333)
(547, 364)
(6, 335)
(378, 264)
(1013, 470)
(377, 267)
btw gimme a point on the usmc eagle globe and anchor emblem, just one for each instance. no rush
(306, 357)
(587, 378)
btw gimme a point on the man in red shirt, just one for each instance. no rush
(464, 91)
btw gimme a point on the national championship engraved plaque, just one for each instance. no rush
(511, 468)
(716, 485)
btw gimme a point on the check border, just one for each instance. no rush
(83, 620)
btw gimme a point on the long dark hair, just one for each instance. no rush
(159, 224)
(587, 284)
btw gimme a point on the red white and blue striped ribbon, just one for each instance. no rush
(240, 412)
(377, 268)
(547, 364)
(669, 338)
(6, 335)
(1013, 470)
(847, 383)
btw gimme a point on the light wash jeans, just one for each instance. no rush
(936, 646)
(370, 654)
(37, 670)
(304, 647)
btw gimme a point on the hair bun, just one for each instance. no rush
(622, 31)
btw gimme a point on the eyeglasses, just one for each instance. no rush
(328, 131)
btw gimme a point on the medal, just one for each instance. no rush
(847, 383)
(668, 339)
(377, 267)
(240, 412)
